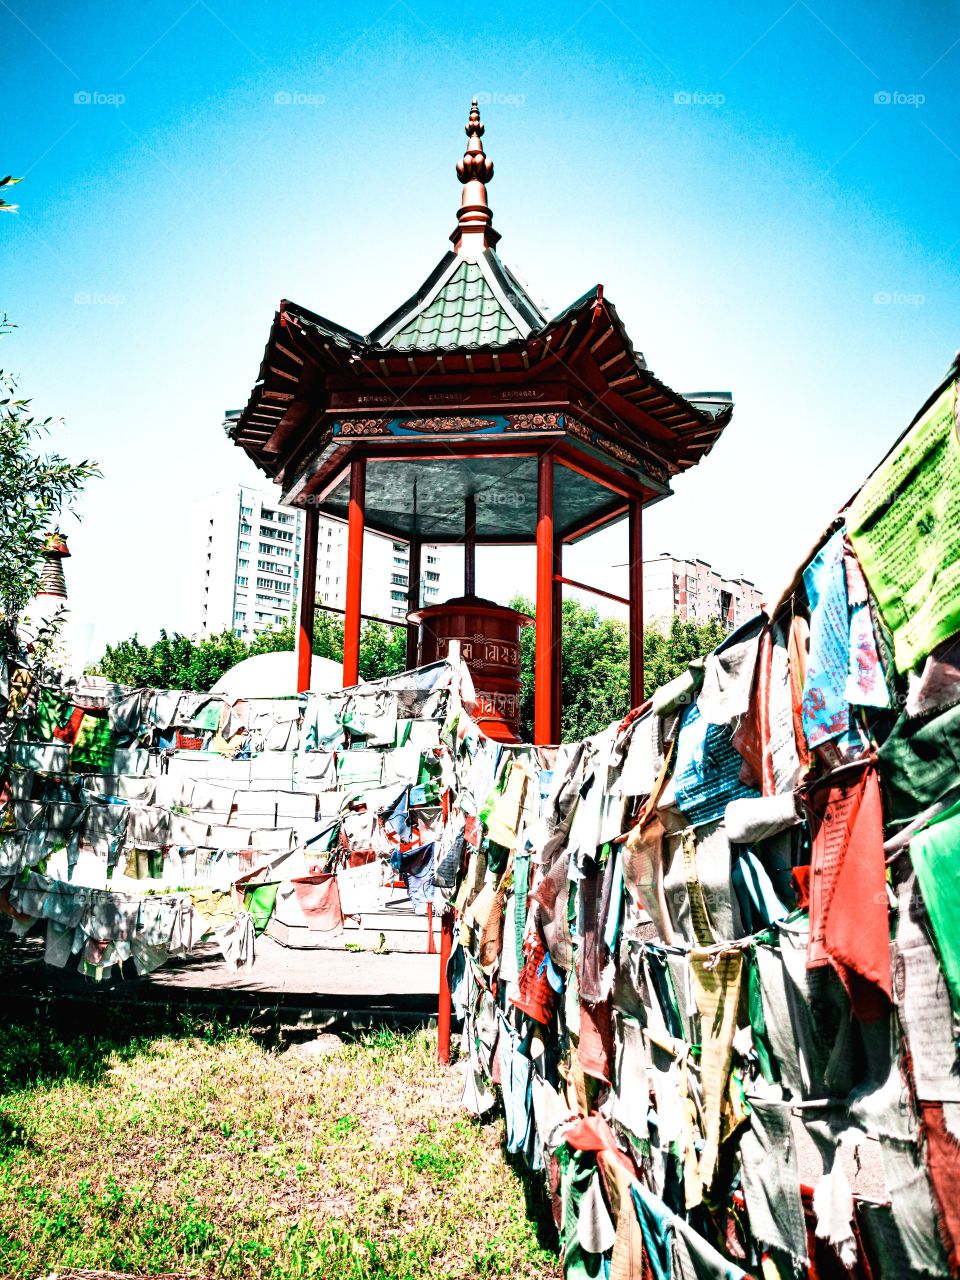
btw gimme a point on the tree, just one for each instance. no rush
(35, 491)
(383, 650)
(595, 682)
(177, 662)
(171, 662)
(667, 653)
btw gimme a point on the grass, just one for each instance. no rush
(204, 1153)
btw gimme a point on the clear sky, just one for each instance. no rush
(767, 191)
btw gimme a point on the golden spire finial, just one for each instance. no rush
(474, 223)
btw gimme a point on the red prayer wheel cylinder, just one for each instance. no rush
(489, 639)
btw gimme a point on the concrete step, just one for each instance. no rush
(368, 938)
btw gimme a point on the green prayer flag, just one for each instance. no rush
(95, 744)
(905, 528)
(935, 853)
(260, 903)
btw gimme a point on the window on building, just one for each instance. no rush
(244, 546)
(245, 512)
(282, 518)
(399, 546)
(432, 577)
(397, 595)
(431, 559)
(244, 527)
(241, 582)
(398, 579)
(244, 564)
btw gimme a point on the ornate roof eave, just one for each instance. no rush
(304, 348)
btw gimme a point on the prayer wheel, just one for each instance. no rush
(489, 639)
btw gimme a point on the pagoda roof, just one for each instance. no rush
(463, 303)
(471, 326)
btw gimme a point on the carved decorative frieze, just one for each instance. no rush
(363, 427)
(448, 425)
(534, 422)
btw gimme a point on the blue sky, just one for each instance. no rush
(766, 191)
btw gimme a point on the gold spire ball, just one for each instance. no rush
(474, 230)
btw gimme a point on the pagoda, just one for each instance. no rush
(471, 416)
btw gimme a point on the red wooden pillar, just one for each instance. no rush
(351, 621)
(413, 601)
(543, 653)
(635, 592)
(444, 1002)
(557, 676)
(308, 597)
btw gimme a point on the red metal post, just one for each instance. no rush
(470, 546)
(635, 569)
(351, 621)
(543, 653)
(308, 598)
(557, 675)
(413, 601)
(444, 1002)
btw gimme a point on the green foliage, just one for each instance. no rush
(596, 664)
(35, 490)
(177, 662)
(383, 650)
(172, 662)
(667, 653)
(8, 181)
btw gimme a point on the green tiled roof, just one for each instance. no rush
(465, 313)
(463, 304)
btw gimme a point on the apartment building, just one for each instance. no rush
(694, 591)
(250, 566)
